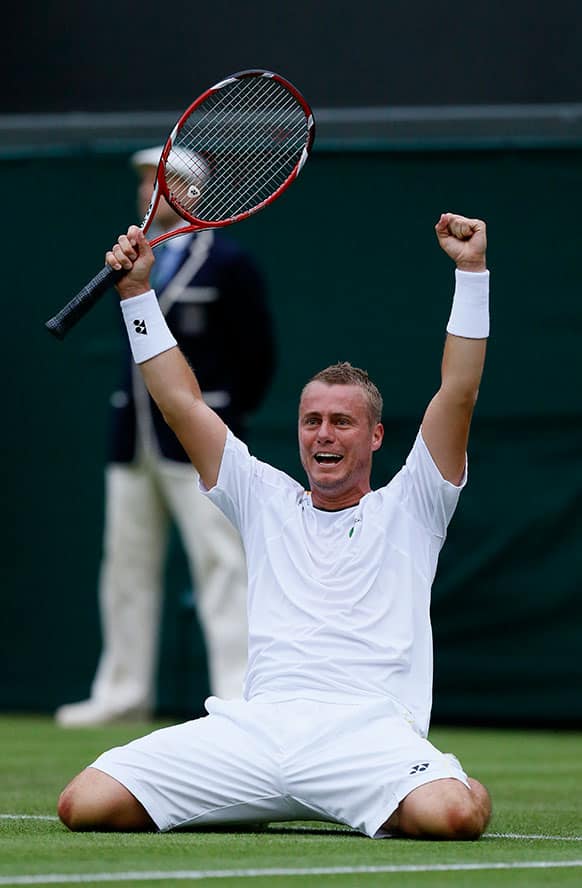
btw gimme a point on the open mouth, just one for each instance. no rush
(327, 459)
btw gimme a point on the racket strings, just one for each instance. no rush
(257, 106)
(249, 190)
(282, 162)
(231, 180)
(236, 149)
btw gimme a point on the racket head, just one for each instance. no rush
(231, 153)
(235, 149)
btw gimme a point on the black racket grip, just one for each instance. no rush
(83, 302)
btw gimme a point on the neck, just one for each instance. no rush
(331, 501)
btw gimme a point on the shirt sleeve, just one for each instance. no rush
(233, 485)
(244, 483)
(429, 497)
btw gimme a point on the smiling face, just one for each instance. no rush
(337, 438)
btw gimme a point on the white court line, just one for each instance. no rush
(196, 875)
(27, 817)
(530, 836)
(535, 836)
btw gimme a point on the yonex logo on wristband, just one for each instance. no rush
(148, 332)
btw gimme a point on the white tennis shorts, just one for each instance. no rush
(248, 761)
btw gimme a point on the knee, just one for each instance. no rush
(462, 821)
(69, 809)
(96, 801)
(85, 803)
(466, 814)
(444, 809)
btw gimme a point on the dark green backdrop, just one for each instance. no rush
(355, 273)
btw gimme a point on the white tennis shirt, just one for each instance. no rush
(338, 602)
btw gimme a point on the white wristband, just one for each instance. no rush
(470, 311)
(149, 335)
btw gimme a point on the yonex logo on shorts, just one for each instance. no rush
(416, 769)
(140, 327)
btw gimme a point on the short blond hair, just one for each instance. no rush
(343, 373)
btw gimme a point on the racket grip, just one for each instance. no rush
(83, 302)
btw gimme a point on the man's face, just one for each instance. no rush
(336, 441)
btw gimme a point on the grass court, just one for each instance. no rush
(534, 839)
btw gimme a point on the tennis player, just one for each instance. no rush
(334, 721)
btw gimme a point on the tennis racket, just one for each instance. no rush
(231, 153)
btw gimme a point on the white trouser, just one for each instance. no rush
(295, 760)
(140, 502)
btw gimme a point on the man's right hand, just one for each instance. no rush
(133, 253)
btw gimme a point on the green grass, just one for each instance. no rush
(535, 779)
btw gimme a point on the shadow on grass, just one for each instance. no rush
(262, 829)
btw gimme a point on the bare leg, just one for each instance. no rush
(95, 801)
(443, 809)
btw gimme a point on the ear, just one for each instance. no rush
(377, 436)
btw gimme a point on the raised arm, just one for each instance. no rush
(167, 375)
(446, 423)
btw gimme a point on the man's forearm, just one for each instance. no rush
(468, 329)
(462, 369)
(173, 385)
(167, 375)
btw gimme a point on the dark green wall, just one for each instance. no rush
(356, 274)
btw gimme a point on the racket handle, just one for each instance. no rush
(83, 302)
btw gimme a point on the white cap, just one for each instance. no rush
(182, 162)
(147, 157)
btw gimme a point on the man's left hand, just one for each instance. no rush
(464, 240)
